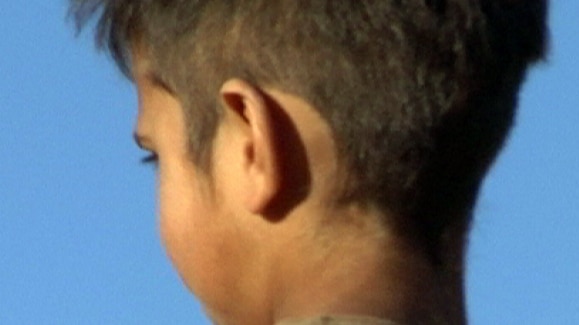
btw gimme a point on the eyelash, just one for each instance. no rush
(150, 159)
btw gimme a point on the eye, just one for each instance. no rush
(150, 159)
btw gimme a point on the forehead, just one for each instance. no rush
(144, 74)
(140, 63)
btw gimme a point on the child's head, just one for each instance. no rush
(419, 95)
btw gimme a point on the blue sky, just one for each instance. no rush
(78, 230)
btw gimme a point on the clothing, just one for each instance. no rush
(337, 320)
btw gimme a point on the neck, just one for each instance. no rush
(368, 273)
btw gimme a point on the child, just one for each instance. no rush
(319, 160)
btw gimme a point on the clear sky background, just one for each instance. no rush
(78, 230)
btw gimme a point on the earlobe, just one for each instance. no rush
(261, 165)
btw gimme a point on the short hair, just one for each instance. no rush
(420, 95)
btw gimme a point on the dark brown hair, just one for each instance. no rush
(420, 95)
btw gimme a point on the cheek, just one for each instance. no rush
(177, 228)
(179, 222)
(190, 232)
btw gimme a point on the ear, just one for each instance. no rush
(261, 161)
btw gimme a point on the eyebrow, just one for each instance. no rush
(140, 140)
(158, 81)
